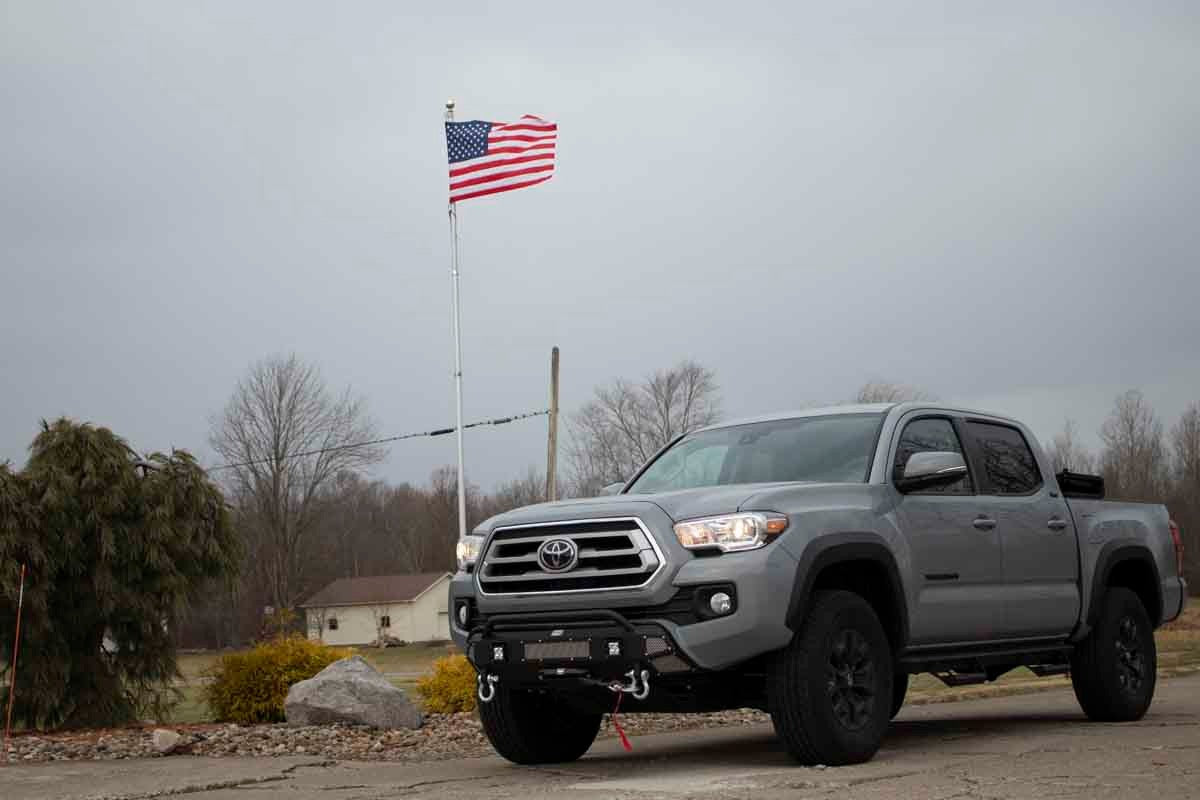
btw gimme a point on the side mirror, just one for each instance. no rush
(932, 468)
(612, 488)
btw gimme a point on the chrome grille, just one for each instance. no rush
(613, 554)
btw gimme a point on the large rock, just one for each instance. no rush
(165, 741)
(350, 691)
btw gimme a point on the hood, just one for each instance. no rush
(684, 504)
(706, 501)
(583, 508)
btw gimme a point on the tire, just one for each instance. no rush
(899, 690)
(529, 727)
(1113, 670)
(824, 708)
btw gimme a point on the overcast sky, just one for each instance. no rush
(996, 202)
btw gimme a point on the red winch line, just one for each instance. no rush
(617, 724)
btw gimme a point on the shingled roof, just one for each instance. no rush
(374, 590)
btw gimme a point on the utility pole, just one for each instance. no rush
(552, 443)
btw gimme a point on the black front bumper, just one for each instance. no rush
(590, 647)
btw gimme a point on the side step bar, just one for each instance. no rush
(979, 663)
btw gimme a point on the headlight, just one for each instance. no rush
(731, 532)
(468, 550)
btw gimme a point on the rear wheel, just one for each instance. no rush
(529, 727)
(1113, 670)
(830, 690)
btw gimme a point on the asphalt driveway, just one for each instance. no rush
(1015, 747)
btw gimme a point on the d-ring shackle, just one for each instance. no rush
(486, 688)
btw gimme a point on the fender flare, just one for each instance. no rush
(1116, 552)
(838, 548)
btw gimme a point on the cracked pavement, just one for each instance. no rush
(1035, 745)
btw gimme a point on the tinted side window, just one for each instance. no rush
(1008, 464)
(936, 435)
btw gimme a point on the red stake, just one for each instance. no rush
(12, 672)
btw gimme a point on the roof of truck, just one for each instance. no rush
(862, 408)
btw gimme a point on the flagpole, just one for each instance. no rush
(458, 410)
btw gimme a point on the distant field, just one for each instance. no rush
(1178, 652)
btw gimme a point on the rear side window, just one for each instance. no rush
(1007, 461)
(933, 434)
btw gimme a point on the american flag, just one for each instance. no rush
(490, 157)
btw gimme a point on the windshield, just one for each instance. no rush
(829, 449)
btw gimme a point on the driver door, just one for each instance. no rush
(956, 560)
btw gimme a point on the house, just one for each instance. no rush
(350, 611)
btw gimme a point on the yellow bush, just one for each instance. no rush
(250, 687)
(450, 688)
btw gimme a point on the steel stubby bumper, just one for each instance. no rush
(594, 648)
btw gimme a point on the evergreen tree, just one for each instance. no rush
(116, 547)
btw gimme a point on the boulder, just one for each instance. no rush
(165, 741)
(350, 691)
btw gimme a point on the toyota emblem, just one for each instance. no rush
(558, 555)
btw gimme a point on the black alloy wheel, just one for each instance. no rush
(1131, 660)
(851, 680)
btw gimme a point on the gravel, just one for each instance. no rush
(442, 736)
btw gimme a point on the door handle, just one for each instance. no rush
(984, 523)
(1057, 524)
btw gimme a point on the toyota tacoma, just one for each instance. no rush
(808, 564)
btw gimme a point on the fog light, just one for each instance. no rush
(614, 648)
(497, 652)
(464, 613)
(720, 603)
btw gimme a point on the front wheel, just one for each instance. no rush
(830, 690)
(899, 690)
(1113, 670)
(529, 727)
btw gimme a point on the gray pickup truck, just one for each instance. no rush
(807, 564)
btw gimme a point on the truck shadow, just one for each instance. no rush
(757, 745)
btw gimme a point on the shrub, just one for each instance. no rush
(250, 687)
(450, 688)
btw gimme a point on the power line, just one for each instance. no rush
(385, 440)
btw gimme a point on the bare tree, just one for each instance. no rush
(1185, 499)
(290, 437)
(318, 618)
(885, 392)
(1134, 461)
(381, 615)
(1067, 452)
(1185, 440)
(524, 491)
(625, 423)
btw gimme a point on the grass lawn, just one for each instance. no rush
(1178, 653)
